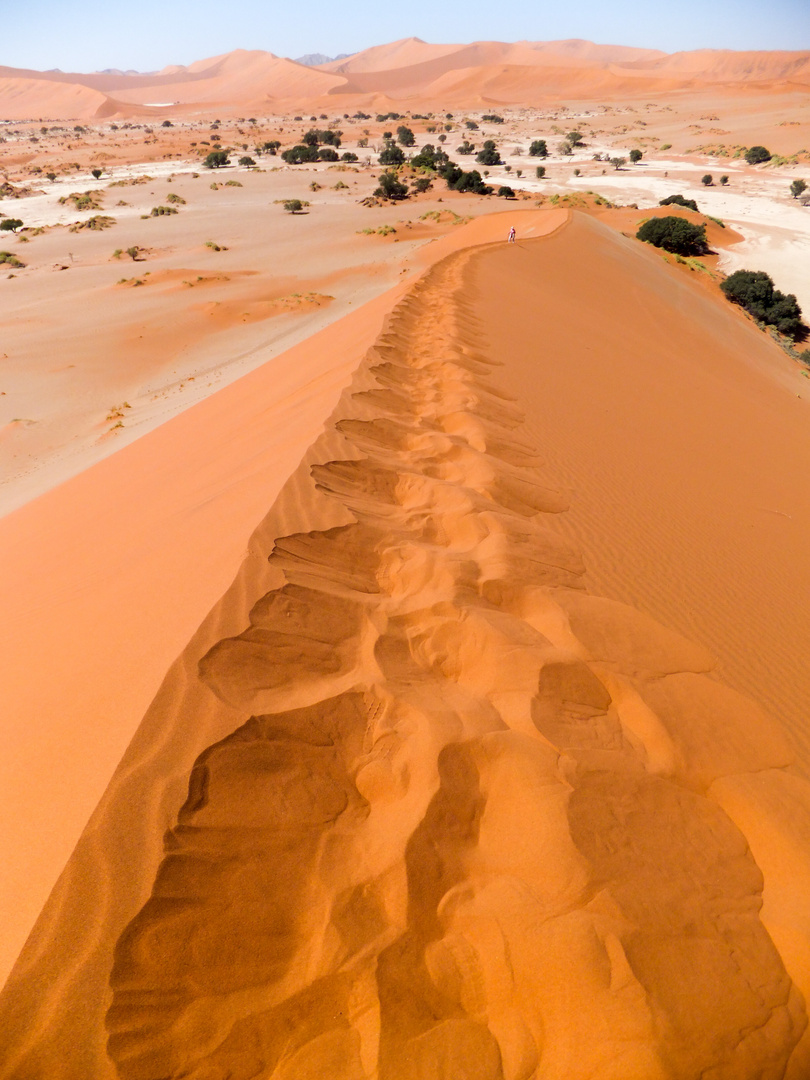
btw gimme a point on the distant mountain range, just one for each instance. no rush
(407, 74)
(316, 58)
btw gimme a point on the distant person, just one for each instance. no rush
(512, 235)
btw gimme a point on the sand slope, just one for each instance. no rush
(413, 803)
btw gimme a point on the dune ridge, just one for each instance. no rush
(408, 70)
(430, 808)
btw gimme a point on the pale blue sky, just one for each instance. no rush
(86, 35)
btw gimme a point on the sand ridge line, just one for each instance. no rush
(443, 792)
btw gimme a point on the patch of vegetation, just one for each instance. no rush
(391, 154)
(162, 211)
(492, 118)
(674, 234)
(173, 197)
(797, 188)
(391, 187)
(506, 192)
(217, 159)
(8, 259)
(489, 155)
(10, 225)
(635, 157)
(214, 246)
(383, 230)
(754, 291)
(295, 206)
(95, 224)
(232, 183)
(756, 155)
(83, 200)
(458, 180)
(679, 200)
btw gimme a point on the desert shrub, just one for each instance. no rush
(538, 148)
(674, 234)
(96, 174)
(10, 224)
(678, 200)
(297, 155)
(471, 125)
(617, 162)
(458, 180)
(391, 154)
(216, 159)
(348, 156)
(488, 155)
(492, 118)
(83, 200)
(466, 148)
(506, 192)
(390, 186)
(635, 156)
(755, 155)
(405, 137)
(574, 137)
(326, 153)
(707, 180)
(430, 158)
(754, 291)
(162, 211)
(797, 188)
(724, 180)
(294, 206)
(173, 197)
(421, 184)
(97, 223)
(9, 259)
(246, 161)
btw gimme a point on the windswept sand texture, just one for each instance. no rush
(413, 803)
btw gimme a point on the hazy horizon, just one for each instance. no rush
(49, 34)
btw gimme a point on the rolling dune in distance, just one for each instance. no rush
(416, 801)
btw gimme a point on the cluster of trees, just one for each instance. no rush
(674, 234)
(492, 118)
(316, 137)
(754, 290)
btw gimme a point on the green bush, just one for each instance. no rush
(348, 156)
(10, 224)
(326, 153)
(489, 154)
(506, 192)
(294, 206)
(391, 155)
(538, 148)
(674, 234)
(297, 155)
(430, 158)
(458, 180)
(8, 259)
(707, 180)
(635, 157)
(755, 155)
(216, 159)
(246, 161)
(391, 187)
(540, 172)
(405, 136)
(162, 211)
(754, 290)
(492, 118)
(678, 200)
(466, 148)
(797, 188)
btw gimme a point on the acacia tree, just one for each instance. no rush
(11, 224)
(797, 188)
(635, 156)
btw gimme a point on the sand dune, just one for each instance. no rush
(409, 70)
(414, 802)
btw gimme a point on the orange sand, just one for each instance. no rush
(415, 801)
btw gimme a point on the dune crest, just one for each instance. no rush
(449, 815)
